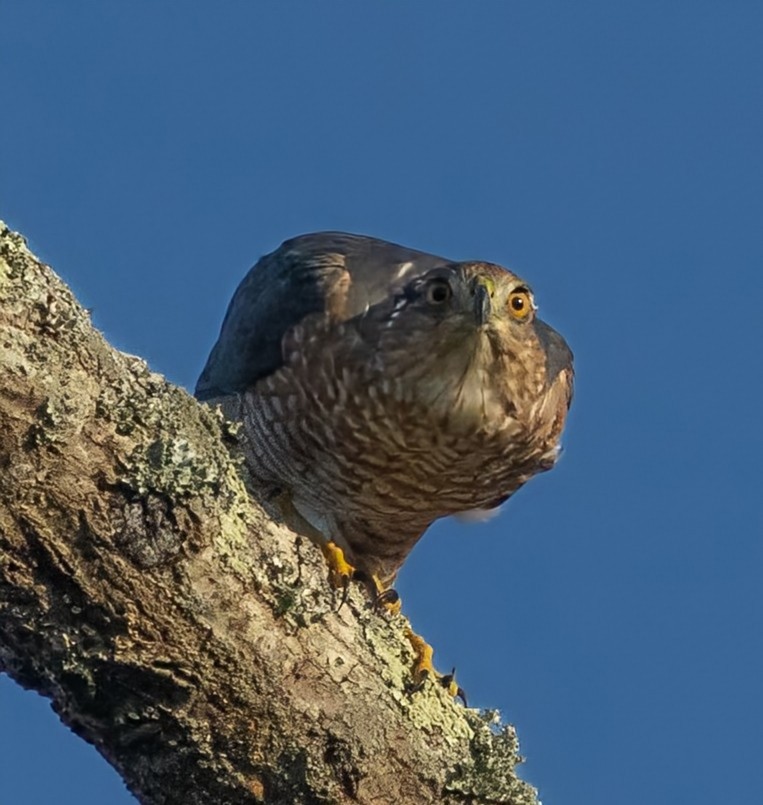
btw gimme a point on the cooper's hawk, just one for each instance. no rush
(382, 388)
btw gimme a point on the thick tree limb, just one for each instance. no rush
(173, 622)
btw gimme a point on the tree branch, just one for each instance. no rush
(174, 622)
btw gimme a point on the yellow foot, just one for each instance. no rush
(423, 668)
(340, 570)
(341, 573)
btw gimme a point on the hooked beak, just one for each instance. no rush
(483, 307)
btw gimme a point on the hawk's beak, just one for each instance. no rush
(483, 307)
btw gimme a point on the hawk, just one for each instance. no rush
(381, 388)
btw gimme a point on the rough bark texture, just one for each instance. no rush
(173, 621)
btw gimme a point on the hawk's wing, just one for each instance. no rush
(333, 272)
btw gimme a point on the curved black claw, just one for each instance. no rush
(387, 597)
(448, 681)
(379, 597)
(345, 591)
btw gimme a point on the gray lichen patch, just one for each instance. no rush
(171, 466)
(54, 309)
(490, 776)
(47, 430)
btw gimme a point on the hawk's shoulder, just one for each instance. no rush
(337, 273)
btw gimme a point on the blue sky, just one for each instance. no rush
(611, 154)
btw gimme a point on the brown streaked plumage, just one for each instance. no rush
(383, 388)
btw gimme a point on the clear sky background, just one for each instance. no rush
(610, 153)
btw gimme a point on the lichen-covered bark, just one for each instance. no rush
(174, 622)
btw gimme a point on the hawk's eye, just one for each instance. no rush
(520, 303)
(438, 292)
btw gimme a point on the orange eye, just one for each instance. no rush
(520, 303)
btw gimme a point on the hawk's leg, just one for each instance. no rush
(423, 668)
(341, 573)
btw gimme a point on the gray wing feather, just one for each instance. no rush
(333, 272)
(558, 353)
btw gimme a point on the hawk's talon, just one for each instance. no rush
(423, 668)
(339, 568)
(341, 573)
(389, 598)
(448, 681)
(345, 591)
